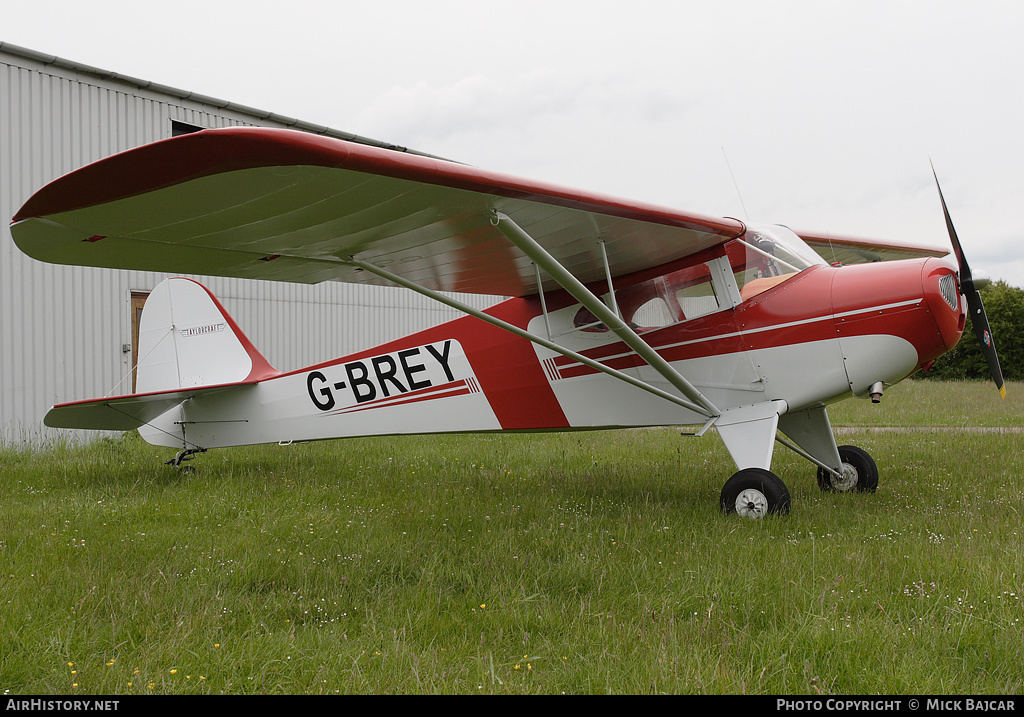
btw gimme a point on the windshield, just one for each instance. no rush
(766, 256)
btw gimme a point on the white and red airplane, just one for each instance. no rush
(624, 314)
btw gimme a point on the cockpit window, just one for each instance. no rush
(655, 314)
(662, 301)
(761, 259)
(697, 298)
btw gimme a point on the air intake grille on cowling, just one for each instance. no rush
(947, 285)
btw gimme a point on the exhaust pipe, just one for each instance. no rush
(876, 392)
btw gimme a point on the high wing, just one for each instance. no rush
(837, 249)
(290, 206)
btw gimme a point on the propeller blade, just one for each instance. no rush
(976, 308)
(984, 334)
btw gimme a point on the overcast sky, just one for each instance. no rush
(818, 115)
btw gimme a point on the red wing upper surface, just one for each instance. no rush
(291, 206)
(838, 249)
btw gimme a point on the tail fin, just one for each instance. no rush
(188, 344)
(188, 340)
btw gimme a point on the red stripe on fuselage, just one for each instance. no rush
(505, 365)
(456, 388)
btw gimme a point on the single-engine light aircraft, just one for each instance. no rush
(622, 314)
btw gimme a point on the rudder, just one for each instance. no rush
(187, 340)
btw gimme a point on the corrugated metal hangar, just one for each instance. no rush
(67, 332)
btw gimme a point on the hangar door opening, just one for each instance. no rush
(138, 300)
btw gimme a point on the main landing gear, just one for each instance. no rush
(757, 492)
(859, 473)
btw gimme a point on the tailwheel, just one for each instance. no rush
(185, 455)
(755, 493)
(859, 473)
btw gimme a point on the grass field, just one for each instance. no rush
(577, 563)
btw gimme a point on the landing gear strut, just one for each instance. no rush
(755, 493)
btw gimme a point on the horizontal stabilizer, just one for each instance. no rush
(119, 413)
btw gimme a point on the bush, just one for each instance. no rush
(1004, 305)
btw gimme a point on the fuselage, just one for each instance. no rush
(810, 337)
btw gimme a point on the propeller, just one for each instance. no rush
(974, 304)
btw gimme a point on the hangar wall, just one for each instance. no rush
(65, 332)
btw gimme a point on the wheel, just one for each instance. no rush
(755, 493)
(860, 473)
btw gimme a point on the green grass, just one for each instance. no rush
(577, 563)
(929, 403)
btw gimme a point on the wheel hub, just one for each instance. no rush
(847, 481)
(751, 503)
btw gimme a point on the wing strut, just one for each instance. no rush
(512, 328)
(543, 302)
(611, 319)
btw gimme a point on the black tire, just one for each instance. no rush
(860, 474)
(755, 493)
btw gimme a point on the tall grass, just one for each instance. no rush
(932, 403)
(578, 563)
